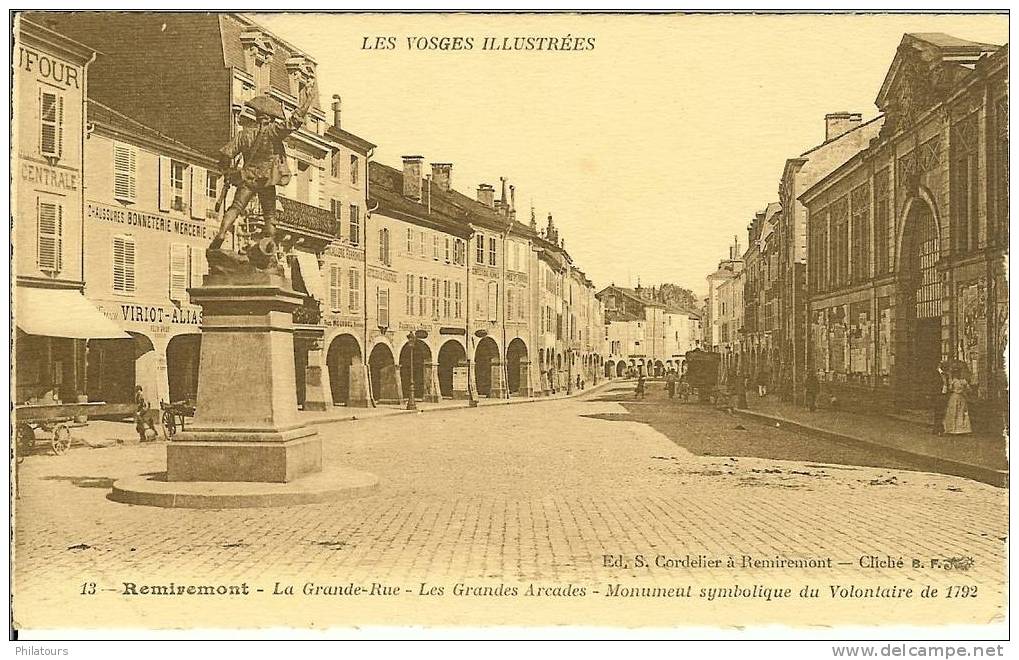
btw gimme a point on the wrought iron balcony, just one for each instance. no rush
(300, 216)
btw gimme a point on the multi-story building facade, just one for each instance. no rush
(719, 329)
(149, 216)
(643, 333)
(846, 134)
(907, 240)
(760, 295)
(54, 321)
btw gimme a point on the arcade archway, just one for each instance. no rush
(485, 354)
(382, 372)
(422, 354)
(451, 355)
(344, 352)
(183, 355)
(516, 355)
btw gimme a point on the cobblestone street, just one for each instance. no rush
(517, 494)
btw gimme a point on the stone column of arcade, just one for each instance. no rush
(247, 446)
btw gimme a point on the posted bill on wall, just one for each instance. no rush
(625, 321)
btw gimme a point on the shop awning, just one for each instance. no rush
(61, 313)
(308, 264)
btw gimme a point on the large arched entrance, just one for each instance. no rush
(382, 371)
(115, 366)
(451, 355)
(516, 355)
(183, 355)
(918, 344)
(486, 353)
(344, 352)
(610, 368)
(421, 355)
(621, 369)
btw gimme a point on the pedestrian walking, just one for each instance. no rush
(812, 387)
(763, 379)
(670, 383)
(142, 415)
(742, 383)
(638, 393)
(938, 398)
(956, 419)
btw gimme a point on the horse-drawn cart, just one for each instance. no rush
(702, 374)
(58, 419)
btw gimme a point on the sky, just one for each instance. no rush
(652, 150)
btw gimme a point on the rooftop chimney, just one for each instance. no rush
(412, 177)
(337, 103)
(486, 195)
(837, 124)
(513, 201)
(442, 174)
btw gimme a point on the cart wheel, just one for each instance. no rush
(26, 439)
(170, 422)
(61, 439)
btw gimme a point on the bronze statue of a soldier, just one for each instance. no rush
(264, 163)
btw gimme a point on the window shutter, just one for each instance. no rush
(124, 173)
(354, 290)
(178, 271)
(383, 307)
(334, 287)
(199, 266)
(165, 191)
(49, 236)
(123, 264)
(199, 199)
(51, 124)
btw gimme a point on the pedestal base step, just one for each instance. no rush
(332, 483)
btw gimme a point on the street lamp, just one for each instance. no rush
(412, 339)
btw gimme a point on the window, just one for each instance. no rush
(435, 247)
(458, 302)
(480, 257)
(410, 241)
(446, 306)
(382, 297)
(50, 236)
(353, 290)
(51, 124)
(335, 283)
(355, 225)
(336, 206)
(447, 250)
(384, 246)
(355, 167)
(516, 256)
(509, 304)
(303, 181)
(177, 185)
(211, 193)
(422, 296)
(964, 185)
(179, 270)
(435, 299)
(334, 164)
(480, 312)
(491, 251)
(125, 173)
(840, 243)
(199, 265)
(881, 225)
(123, 264)
(860, 261)
(421, 242)
(262, 74)
(493, 301)
(410, 296)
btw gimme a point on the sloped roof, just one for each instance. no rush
(118, 122)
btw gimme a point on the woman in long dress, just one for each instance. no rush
(956, 409)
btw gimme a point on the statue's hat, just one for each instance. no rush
(263, 105)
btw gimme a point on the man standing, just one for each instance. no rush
(264, 160)
(143, 415)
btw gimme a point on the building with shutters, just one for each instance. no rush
(907, 240)
(54, 321)
(149, 216)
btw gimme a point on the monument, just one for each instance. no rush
(247, 445)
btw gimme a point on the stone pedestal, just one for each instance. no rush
(246, 426)
(358, 392)
(498, 387)
(432, 392)
(525, 379)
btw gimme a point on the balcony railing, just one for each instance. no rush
(301, 216)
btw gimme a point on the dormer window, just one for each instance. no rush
(258, 52)
(300, 71)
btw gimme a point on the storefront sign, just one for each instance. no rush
(337, 322)
(460, 379)
(47, 68)
(380, 274)
(452, 331)
(153, 314)
(50, 177)
(345, 252)
(161, 223)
